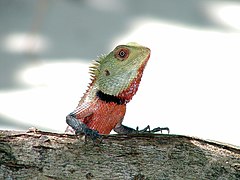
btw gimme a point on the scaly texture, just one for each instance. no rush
(115, 80)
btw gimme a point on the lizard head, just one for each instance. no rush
(119, 73)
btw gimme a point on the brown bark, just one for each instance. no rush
(45, 155)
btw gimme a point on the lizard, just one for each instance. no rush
(115, 80)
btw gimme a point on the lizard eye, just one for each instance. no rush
(122, 54)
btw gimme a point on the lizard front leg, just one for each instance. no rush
(80, 127)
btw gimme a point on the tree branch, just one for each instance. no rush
(45, 155)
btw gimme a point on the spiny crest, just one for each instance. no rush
(94, 71)
(94, 68)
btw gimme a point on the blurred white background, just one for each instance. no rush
(191, 83)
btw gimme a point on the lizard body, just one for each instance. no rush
(115, 80)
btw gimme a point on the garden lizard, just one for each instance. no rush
(114, 81)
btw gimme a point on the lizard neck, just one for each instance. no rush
(109, 98)
(125, 96)
(128, 93)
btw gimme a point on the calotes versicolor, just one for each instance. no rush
(115, 80)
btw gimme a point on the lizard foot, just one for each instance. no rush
(148, 130)
(93, 134)
(81, 128)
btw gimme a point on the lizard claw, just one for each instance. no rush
(148, 130)
(160, 129)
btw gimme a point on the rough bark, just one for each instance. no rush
(45, 155)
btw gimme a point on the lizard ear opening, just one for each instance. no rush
(122, 54)
(107, 73)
